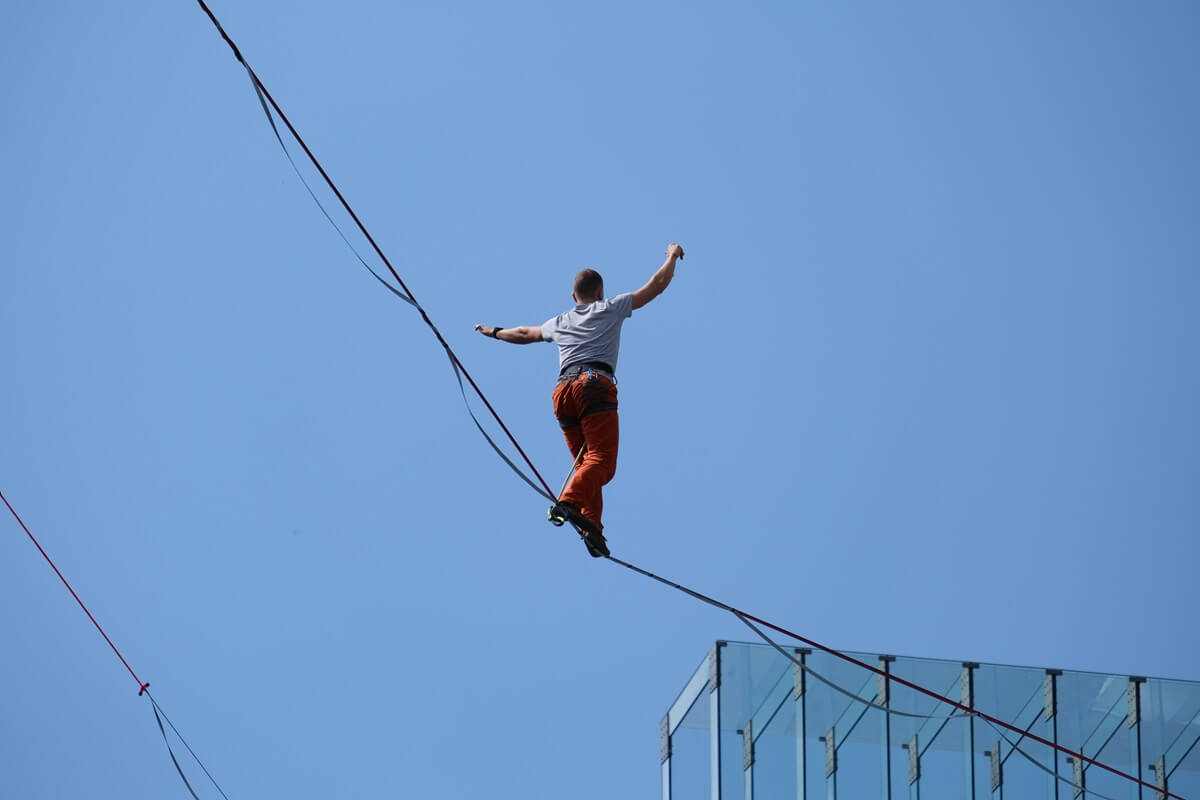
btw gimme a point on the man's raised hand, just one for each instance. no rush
(674, 250)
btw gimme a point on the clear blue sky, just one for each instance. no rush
(926, 382)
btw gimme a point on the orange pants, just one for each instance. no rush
(586, 408)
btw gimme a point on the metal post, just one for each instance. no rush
(801, 723)
(664, 752)
(714, 719)
(968, 700)
(884, 699)
(1050, 711)
(1135, 722)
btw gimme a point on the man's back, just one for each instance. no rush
(589, 332)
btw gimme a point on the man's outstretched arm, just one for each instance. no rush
(654, 287)
(525, 334)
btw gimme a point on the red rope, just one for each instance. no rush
(141, 686)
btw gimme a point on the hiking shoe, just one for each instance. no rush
(571, 513)
(593, 539)
(596, 546)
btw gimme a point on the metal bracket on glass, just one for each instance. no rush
(884, 683)
(914, 760)
(830, 752)
(997, 766)
(1160, 777)
(748, 745)
(714, 666)
(664, 739)
(799, 683)
(968, 683)
(1078, 775)
(1050, 692)
(1135, 699)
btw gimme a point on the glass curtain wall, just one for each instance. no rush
(754, 724)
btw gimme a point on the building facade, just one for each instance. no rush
(757, 723)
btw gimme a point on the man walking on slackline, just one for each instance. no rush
(585, 397)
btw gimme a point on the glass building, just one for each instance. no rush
(758, 723)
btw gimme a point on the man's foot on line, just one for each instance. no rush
(593, 539)
(569, 512)
(595, 544)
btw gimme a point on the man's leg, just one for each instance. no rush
(597, 398)
(602, 433)
(575, 440)
(567, 410)
(568, 407)
(575, 404)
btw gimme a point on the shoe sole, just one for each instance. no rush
(596, 549)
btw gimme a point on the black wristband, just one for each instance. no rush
(496, 332)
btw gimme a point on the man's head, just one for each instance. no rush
(589, 286)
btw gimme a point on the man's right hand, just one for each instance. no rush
(654, 287)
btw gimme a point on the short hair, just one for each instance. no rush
(588, 283)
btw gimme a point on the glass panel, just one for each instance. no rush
(689, 762)
(748, 676)
(775, 745)
(1184, 780)
(859, 758)
(1093, 711)
(859, 736)
(698, 683)
(772, 704)
(942, 677)
(943, 764)
(1092, 717)
(1016, 695)
(814, 750)
(1025, 765)
(1170, 721)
